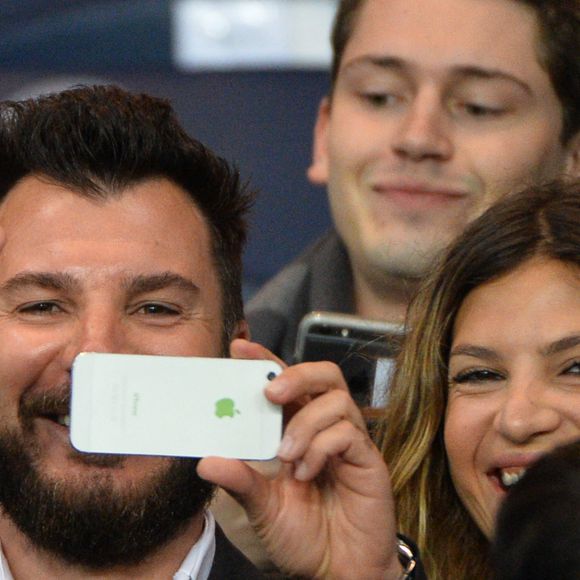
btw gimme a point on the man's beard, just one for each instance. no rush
(90, 522)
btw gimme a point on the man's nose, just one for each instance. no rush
(100, 330)
(526, 412)
(424, 132)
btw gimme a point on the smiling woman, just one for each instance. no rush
(489, 379)
(514, 371)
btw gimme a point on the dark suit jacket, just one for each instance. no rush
(229, 563)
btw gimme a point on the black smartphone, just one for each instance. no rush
(364, 349)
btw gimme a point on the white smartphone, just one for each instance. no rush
(176, 406)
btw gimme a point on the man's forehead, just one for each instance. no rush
(473, 29)
(36, 197)
(446, 41)
(154, 226)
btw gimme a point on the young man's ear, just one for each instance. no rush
(318, 170)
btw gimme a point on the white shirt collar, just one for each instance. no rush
(5, 573)
(197, 563)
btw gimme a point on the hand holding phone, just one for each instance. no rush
(176, 406)
(333, 478)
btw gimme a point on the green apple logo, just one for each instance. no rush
(225, 408)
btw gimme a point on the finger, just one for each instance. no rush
(304, 381)
(343, 440)
(2, 237)
(232, 474)
(245, 484)
(244, 349)
(318, 415)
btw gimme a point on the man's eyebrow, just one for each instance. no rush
(561, 345)
(143, 283)
(386, 62)
(475, 351)
(47, 280)
(478, 72)
(461, 71)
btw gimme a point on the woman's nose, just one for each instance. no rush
(526, 412)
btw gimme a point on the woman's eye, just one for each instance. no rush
(573, 369)
(476, 376)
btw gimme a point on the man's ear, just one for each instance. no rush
(241, 330)
(572, 168)
(318, 170)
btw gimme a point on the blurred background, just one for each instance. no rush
(245, 77)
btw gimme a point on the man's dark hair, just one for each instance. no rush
(558, 49)
(538, 528)
(99, 140)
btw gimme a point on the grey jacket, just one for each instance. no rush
(319, 279)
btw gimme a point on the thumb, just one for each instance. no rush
(245, 349)
(246, 485)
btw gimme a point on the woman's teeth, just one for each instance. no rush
(510, 477)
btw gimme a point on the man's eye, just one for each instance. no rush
(157, 309)
(476, 376)
(40, 308)
(479, 110)
(379, 99)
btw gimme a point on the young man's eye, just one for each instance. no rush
(480, 110)
(379, 99)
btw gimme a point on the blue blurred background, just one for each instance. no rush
(245, 77)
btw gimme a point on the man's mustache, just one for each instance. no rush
(52, 403)
(55, 401)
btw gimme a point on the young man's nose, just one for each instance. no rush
(424, 131)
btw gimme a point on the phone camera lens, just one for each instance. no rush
(271, 375)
